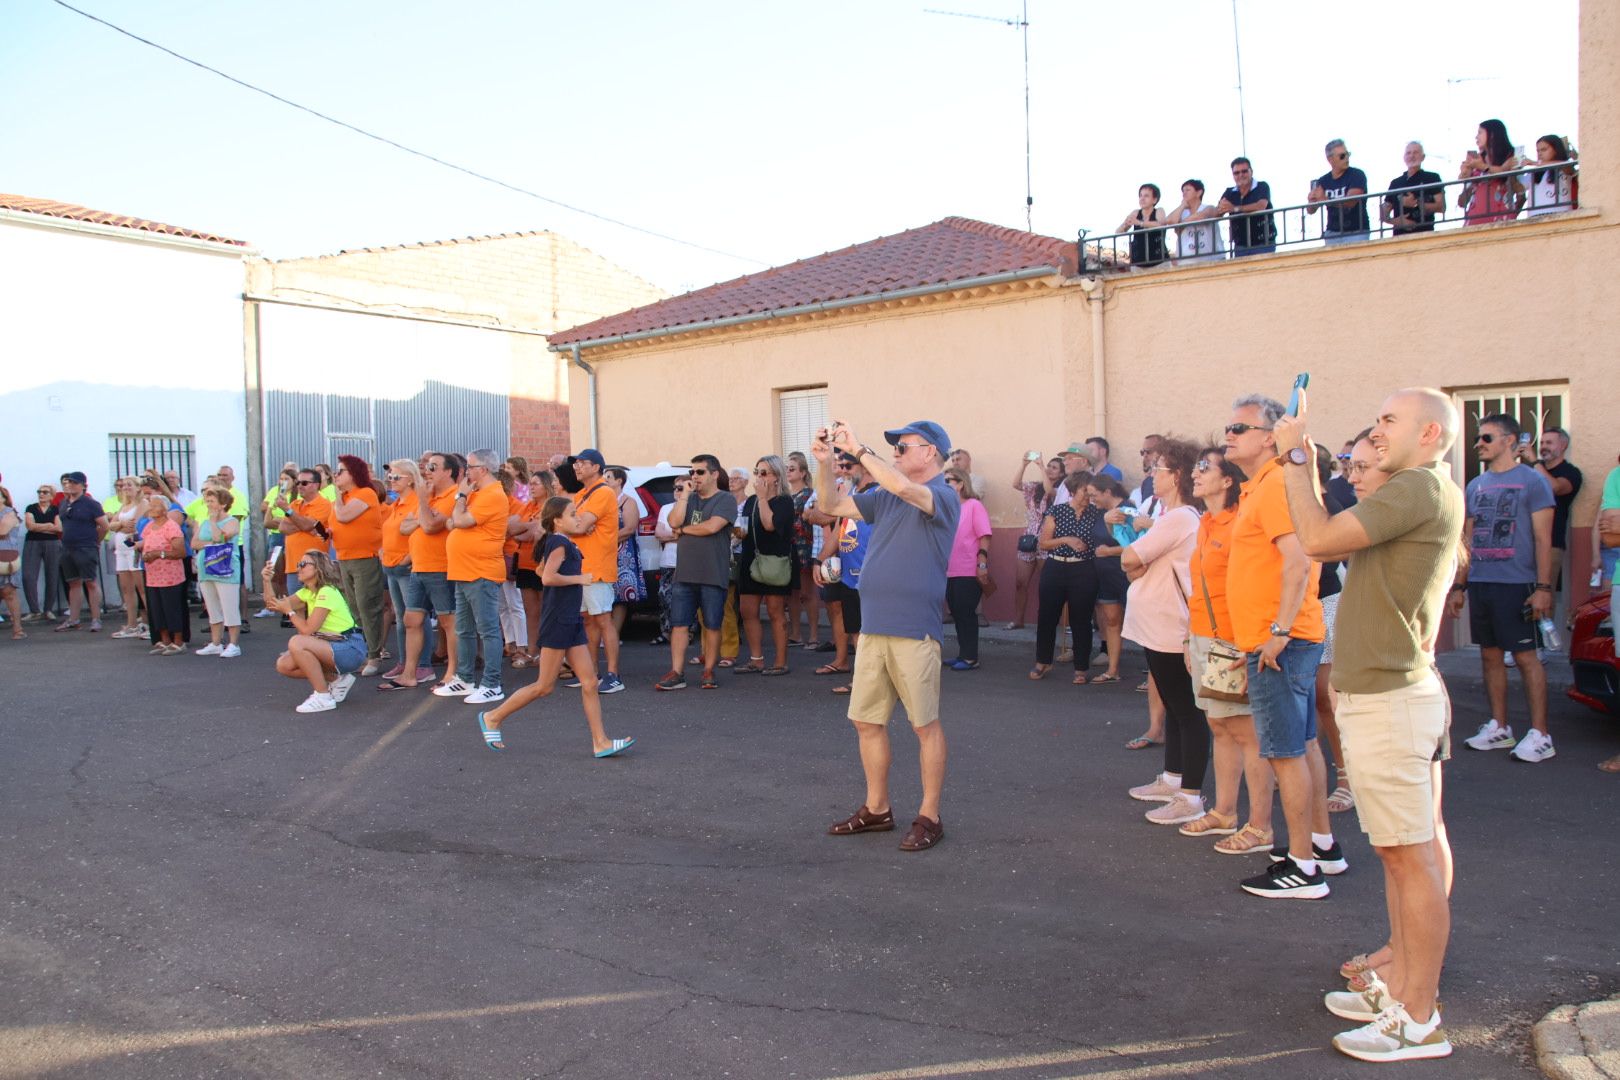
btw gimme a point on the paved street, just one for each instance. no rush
(199, 882)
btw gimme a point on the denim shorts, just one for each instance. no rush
(430, 588)
(349, 654)
(1284, 702)
(686, 598)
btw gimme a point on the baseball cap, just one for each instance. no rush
(931, 432)
(593, 456)
(77, 477)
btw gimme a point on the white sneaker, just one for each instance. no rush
(1361, 1007)
(1178, 811)
(1390, 1038)
(210, 649)
(318, 703)
(264, 613)
(339, 688)
(484, 695)
(230, 650)
(454, 688)
(1491, 736)
(1534, 747)
(1158, 791)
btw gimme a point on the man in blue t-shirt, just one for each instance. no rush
(1509, 536)
(913, 514)
(84, 527)
(1340, 188)
(1252, 231)
(1102, 454)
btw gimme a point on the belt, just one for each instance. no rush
(1067, 558)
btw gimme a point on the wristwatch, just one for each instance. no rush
(1280, 631)
(1296, 456)
(863, 451)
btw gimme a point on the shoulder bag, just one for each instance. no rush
(773, 570)
(1218, 679)
(218, 560)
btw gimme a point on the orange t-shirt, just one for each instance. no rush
(299, 544)
(1209, 560)
(427, 549)
(514, 508)
(360, 538)
(525, 552)
(1254, 572)
(600, 546)
(476, 552)
(396, 546)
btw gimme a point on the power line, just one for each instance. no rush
(407, 149)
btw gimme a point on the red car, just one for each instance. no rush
(1591, 655)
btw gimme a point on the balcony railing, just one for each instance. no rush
(1387, 214)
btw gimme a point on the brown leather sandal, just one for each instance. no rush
(923, 834)
(863, 820)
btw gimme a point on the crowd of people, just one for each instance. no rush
(1495, 188)
(1287, 601)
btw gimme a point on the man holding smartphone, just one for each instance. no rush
(913, 514)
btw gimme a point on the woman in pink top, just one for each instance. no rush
(968, 570)
(1156, 618)
(163, 550)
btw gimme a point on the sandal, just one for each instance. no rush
(831, 669)
(752, 668)
(1038, 672)
(17, 635)
(1211, 824)
(730, 661)
(1359, 964)
(1612, 765)
(774, 671)
(843, 691)
(1104, 677)
(863, 820)
(395, 684)
(1080, 678)
(521, 660)
(923, 834)
(1341, 800)
(1142, 742)
(1246, 841)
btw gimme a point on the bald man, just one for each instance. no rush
(1392, 707)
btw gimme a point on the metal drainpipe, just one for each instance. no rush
(590, 376)
(1099, 356)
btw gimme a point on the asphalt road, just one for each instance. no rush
(199, 882)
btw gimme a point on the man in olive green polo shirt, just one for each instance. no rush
(1402, 544)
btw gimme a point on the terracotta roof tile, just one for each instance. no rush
(954, 249)
(52, 208)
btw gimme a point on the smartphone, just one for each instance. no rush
(1524, 438)
(1301, 381)
(1033, 455)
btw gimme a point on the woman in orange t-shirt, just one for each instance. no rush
(398, 522)
(357, 529)
(542, 486)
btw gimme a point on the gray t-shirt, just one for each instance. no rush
(903, 574)
(706, 560)
(1502, 546)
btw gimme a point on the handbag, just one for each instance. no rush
(773, 570)
(1218, 679)
(1028, 543)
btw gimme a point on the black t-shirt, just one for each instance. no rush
(1329, 583)
(1341, 489)
(775, 541)
(1561, 503)
(1410, 219)
(1147, 248)
(44, 514)
(1345, 218)
(1256, 231)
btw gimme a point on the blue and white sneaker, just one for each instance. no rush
(609, 684)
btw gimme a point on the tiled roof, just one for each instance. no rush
(52, 208)
(954, 249)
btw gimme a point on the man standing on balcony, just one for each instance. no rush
(1424, 198)
(1253, 232)
(1341, 187)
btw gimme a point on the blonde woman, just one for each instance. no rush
(328, 647)
(126, 559)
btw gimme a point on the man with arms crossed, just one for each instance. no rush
(913, 514)
(701, 521)
(1392, 706)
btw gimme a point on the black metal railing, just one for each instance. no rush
(1397, 212)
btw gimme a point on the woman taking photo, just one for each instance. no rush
(1488, 199)
(12, 532)
(968, 569)
(1038, 495)
(1068, 577)
(42, 557)
(326, 647)
(357, 537)
(163, 550)
(1217, 484)
(631, 587)
(1109, 494)
(126, 560)
(1156, 618)
(219, 573)
(767, 538)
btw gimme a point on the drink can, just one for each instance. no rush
(831, 568)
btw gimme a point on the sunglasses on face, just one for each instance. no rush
(309, 483)
(1241, 429)
(901, 447)
(306, 565)
(697, 472)
(430, 468)
(1487, 438)
(1344, 457)
(762, 472)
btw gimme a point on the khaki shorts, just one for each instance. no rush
(596, 598)
(1214, 708)
(888, 669)
(1390, 744)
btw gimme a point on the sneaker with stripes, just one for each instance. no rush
(1286, 881)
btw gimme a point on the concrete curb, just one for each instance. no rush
(1580, 1042)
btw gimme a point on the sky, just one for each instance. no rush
(762, 131)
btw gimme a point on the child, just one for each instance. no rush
(562, 632)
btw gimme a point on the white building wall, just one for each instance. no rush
(104, 335)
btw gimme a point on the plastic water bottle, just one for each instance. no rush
(1549, 634)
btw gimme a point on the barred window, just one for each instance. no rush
(132, 455)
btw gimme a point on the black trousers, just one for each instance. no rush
(1186, 731)
(1066, 583)
(962, 595)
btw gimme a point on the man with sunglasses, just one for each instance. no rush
(700, 519)
(1252, 230)
(1508, 531)
(1340, 187)
(913, 514)
(308, 524)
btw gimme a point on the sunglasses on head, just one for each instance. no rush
(1204, 466)
(1344, 457)
(1240, 429)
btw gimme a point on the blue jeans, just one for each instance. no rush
(1333, 239)
(478, 618)
(1284, 702)
(398, 578)
(1609, 557)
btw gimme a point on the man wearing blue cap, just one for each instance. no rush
(913, 514)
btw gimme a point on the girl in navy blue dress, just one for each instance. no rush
(562, 632)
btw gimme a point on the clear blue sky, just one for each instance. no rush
(764, 129)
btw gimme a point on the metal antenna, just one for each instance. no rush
(1020, 23)
(1237, 50)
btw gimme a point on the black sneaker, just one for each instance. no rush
(1331, 861)
(673, 681)
(1286, 881)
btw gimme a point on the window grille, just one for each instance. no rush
(132, 455)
